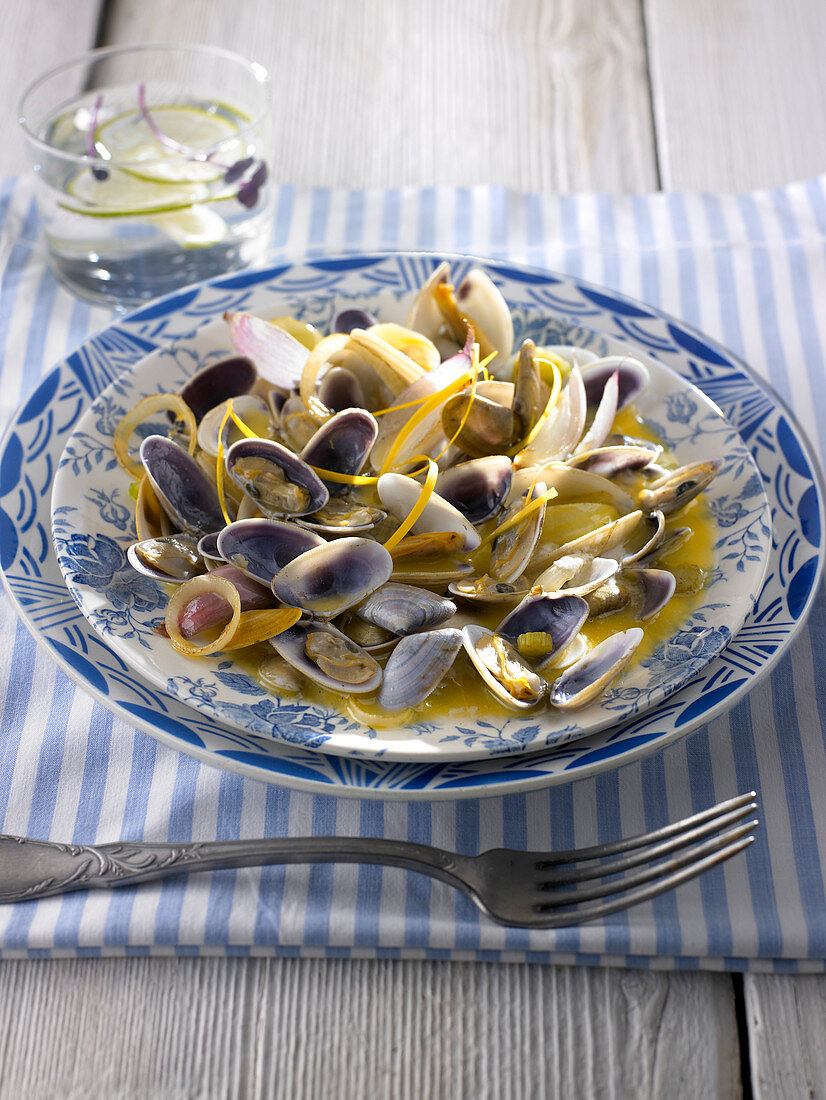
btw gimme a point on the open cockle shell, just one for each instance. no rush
(292, 645)
(278, 481)
(481, 301)
(558, 616)
(216, 383)
(632, 378)
(172, 559)
(218, 430)
(676, 488)
(488, 590)
(477, 488)
(561, 431)
(343, 515)
(182, 488)
(512, 549)
(576, 574)
(657, 586)
(439, 312)
(608, 538)
(572, 484)
(262, 547)
(341, 445)
(511, 679)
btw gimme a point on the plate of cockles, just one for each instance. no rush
(418, 519)
(701, 405)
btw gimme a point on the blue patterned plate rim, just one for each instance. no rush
(34, 440)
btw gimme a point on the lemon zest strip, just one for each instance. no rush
(145, 408)
(219, 464)
(230, 414)
(418, 507)
(523, 513)
(429, 405)
(549, 407)
(475, 367)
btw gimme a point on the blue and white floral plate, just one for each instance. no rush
(93, 525)
(38, 435)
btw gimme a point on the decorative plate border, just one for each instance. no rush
(92, 527)
(39, 431)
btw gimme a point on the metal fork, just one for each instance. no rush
(524, 889)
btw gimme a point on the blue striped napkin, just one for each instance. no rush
(749, 270)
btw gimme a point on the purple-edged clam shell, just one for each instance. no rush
(477, 488)
(330, 578)
(342, 445)
(417, 666)
(632, 378)
(511, 551)
(558, 615)
(405, 608)
(658, 586)
(218, 382)
(185, 492)
(262, 547)
(280, 483)
(587, 678)
(340, 389)
(219, 430)
(348, 319)
(399, 495)
(610, 461)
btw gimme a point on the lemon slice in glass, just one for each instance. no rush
(196, 227)
(122, 194)
(180, 210)
(128, 139)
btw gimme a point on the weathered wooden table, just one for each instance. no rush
(540, 95)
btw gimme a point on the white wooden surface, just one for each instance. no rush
(260, 1028)
(616, 95)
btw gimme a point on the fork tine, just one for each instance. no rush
(599, 851)
(572, 897)
(681, 840)
(644, 893)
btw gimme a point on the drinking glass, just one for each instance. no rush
(153, 167)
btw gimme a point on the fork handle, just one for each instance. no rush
(36, 868)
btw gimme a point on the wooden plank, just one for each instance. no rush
(738, 90)
(534, 95)
(227, 1028)
(37, 35)
(787, 1022)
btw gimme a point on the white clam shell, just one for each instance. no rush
(479, 298)
(576, 574)
(560, 433)
(398, 494)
